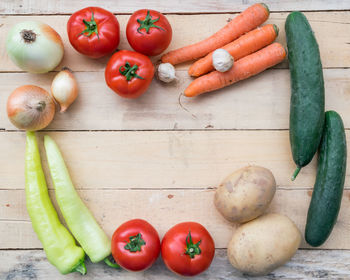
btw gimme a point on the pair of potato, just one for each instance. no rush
(262, 243)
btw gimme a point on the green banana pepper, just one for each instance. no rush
(79, 219)
(58, 243)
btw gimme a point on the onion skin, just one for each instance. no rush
(30, 108)
(64, 88)
(34, 46)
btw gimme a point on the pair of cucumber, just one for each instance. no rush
(311, 129)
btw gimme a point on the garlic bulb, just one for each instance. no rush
(222, 60)
(166, 72)
(64, 88)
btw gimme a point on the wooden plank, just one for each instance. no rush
(163, 209)
(154, 160)
(262, 102)
(306, 264)
(187, 29)
(192, 6)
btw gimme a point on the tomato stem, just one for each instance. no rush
(135, 243)
(91, 27)
(148, 23)
(129, 71)
(192, 249)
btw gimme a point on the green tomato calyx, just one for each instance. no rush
(129, 71)
(192, 249)
(29, 36)
(91, 27)
(135, 243)
(148, 23)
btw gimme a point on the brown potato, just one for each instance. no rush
(245, 194)
(260, 246)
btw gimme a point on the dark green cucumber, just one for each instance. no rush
(307, 100)
(329, 185)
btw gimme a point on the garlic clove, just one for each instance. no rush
(64, 88)
(166, 73)
(222, 60)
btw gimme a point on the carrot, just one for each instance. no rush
(244, 45)
(244, 22)
(244, 68)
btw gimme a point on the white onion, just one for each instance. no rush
(64, 88)
(34, 46)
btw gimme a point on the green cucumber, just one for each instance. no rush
(329, 185)
(307, 100)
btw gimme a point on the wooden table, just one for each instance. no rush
(148, 158)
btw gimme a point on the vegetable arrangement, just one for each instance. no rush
(236, 52)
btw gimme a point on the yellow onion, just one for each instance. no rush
(64, 88)
(30, 108)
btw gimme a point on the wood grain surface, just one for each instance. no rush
(306, 264)
(149, 158)
(192, 6)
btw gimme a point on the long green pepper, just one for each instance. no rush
(59, 245)
(79, 219)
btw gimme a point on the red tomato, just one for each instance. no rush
(129, 73)
(135, 245)
(93, 31)
(188, 249)
(148, 32)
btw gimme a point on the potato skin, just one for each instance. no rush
(245, 194)
(260, 246)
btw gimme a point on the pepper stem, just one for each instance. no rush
(129, 71)
(135, 243)
(148, 23)
(192, 249)
(80, 267)
(296, 172)
(91, 27)
(111, 263)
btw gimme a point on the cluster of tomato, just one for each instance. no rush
(187, 248)
(95, 32)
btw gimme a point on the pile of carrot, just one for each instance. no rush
(251, 47)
